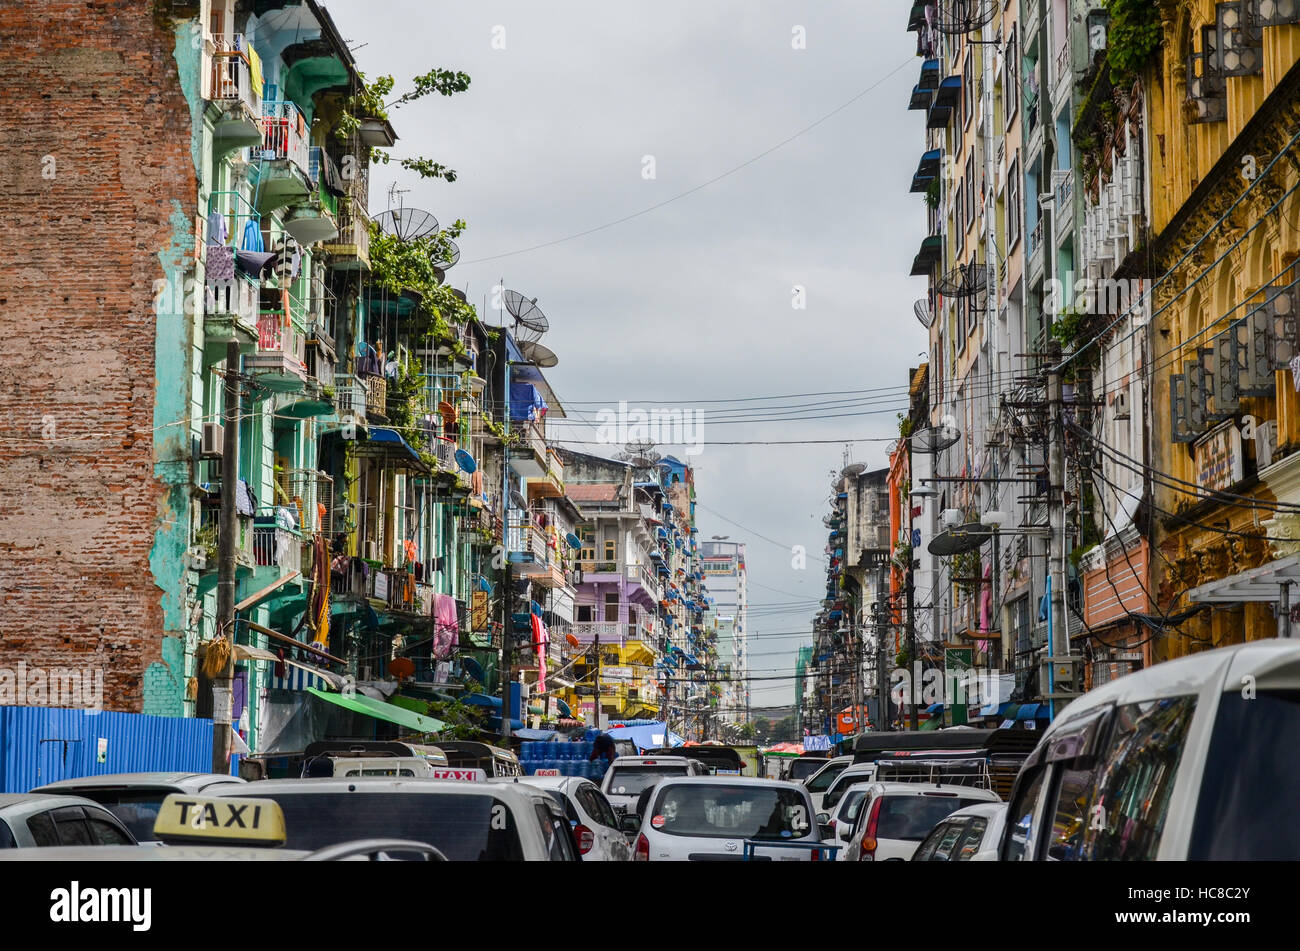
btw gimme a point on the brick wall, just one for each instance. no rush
(95, 172)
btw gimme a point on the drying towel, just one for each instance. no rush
(446, 626)
(255, 73)
(540, 639)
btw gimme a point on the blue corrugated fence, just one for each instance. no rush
(39, 745)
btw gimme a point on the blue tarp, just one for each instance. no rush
(526, 402)
(645, 736)
(539, 735)
(382, 435)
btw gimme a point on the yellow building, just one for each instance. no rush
(1224, 110)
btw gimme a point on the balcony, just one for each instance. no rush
(1035, 251)
(350, 250)
(349, 402)
(277, 549)
(228, 73)
(310, 495)
(209, 536)
(376, 397)
(1063, 73)
(230, 312)
(551, 484)
(279, 362)
(284, 176)
(1063, 205)
(530, 458)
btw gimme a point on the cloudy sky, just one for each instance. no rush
(781, 168)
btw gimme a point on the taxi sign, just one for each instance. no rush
(464, 775)
(546, 772)
(225, 819)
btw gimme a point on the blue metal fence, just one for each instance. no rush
(39, 745)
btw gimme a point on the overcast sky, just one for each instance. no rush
(691, 301)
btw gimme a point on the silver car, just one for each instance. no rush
(595, 826)
(629, 776)
(710, 819)
(38, 820)
(136, 797)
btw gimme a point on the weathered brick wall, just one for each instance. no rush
(95, 172)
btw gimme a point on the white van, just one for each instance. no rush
(1190, 759)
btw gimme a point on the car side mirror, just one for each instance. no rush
(823, 818)
(630, 824)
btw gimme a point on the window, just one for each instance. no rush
(947, 841)
(970, 189)
(611, 549)
(970, 843)
(719, 810)
(1018, 839)
(1240, 814)
(611, 607)
(633, 780)
(41, 829)
(71, 824)
(968, 91)
(911, 818)
(1011, 72)
(822, 781)
(555, 831)
(1070, 813)
(925, 851)
(959, 219)
(1013, 202)
(105, 833)
(467, 827)
(597, 806)
(588, 551)
(7, 840)
(1137, 778)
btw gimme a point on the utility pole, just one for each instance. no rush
(596, 644)
(911, 646)
(507, 586)
(1056, 508)
(227, 527)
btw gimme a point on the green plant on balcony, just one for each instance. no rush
(965, 571)
(397, 265)
(904, 426)
(932, 195)
(1133, 36)
(327, 392)
(369, 102)
(207, 539)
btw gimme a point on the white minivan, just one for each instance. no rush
(629, 776)
(1189, 759)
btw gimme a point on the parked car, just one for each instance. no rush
(895, 817)
(820, 781)
(43, 820)
(711, 819)
(595, 826)
(968, 835)
(628, 776)
(245, 829)
(1186, 760)
(799, 769)
(466, 821)
(135, 798)
(838, 826)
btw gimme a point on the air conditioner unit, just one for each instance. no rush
(212, 442)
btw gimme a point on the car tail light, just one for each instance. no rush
(642, 848)
(869, 834)
(586, 838)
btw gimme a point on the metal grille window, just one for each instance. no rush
(1013, 202)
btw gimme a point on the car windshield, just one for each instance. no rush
(827, 776)
(912, 817)
(632, 780)
(466, 828)
(1240, 814)
(135, 808)
(723, 810)
(803, 768)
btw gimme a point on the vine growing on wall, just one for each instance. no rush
(1133, 37)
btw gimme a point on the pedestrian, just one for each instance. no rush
(602, 747)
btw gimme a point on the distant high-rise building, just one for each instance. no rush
(723, 564)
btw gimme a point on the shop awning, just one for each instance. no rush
(934, 708)
(994, 710)
(483, 700)
(360, 703)
(388, 444)
(1255, 584)
(1027, 711)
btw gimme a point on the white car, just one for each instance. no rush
(1189, 760)
(820, 781)
(135, 798)
(467, 821)
(845, 816)
(628, 776)
(895, 817)
(595, 826)
(853, 775)
(711, 819)
(968, 835)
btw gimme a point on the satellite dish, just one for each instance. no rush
(965, 280)
(934, 438)
(530, 322)
(854, 468)
(451, 259)
(465, 461)
(408, 224)
(961, 539)
(471, 667)
(923, 313)
(538, 355)
(573, 540)
(517, 500)
(963, 16)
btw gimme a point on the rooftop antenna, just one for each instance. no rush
(399, 192)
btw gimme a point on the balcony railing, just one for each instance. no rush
(376, 396)
(525, 537)
(349, 395)
(275, 545)
(238, 298)
(230, 77)
(284, 134)
(1063, 62)
(1036, 237)
(276, 337)
(308, 492)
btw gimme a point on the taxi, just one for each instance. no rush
(135, 798)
